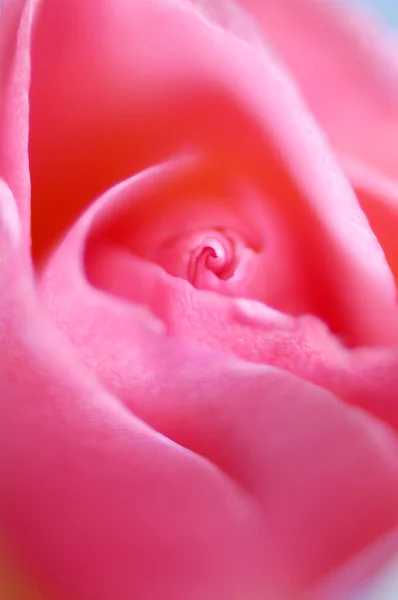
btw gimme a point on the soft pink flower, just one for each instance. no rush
(198, 316)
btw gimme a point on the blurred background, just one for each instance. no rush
(387, 8)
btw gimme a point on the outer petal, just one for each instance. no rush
(369, 576)
(14, 582)
(96, 503)
(378, 195)
(15, 30)
(346, 65)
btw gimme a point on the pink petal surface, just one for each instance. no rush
(115, 499)
(378, 195)
(303, 345)
(133, 451)
(345, 63)
(371, 574)
(95, 501)
(15, 582)
(15, 26)
(236, 107)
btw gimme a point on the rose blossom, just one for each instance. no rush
(198, 317)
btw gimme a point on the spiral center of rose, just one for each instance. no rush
(216, 253)
(227, 241)
(205, 258)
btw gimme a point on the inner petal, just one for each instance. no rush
(106, 104)
(187, 219)
(217, 259)
(190, 255)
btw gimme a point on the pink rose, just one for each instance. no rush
(198, 316)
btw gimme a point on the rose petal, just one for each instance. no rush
(15, 30)
(106, 104)
(378, 195)
(100, 479)
(366, 377)
(368, 576)
(96, 503)
(14, 584)
(346, 65)
(95, 500)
